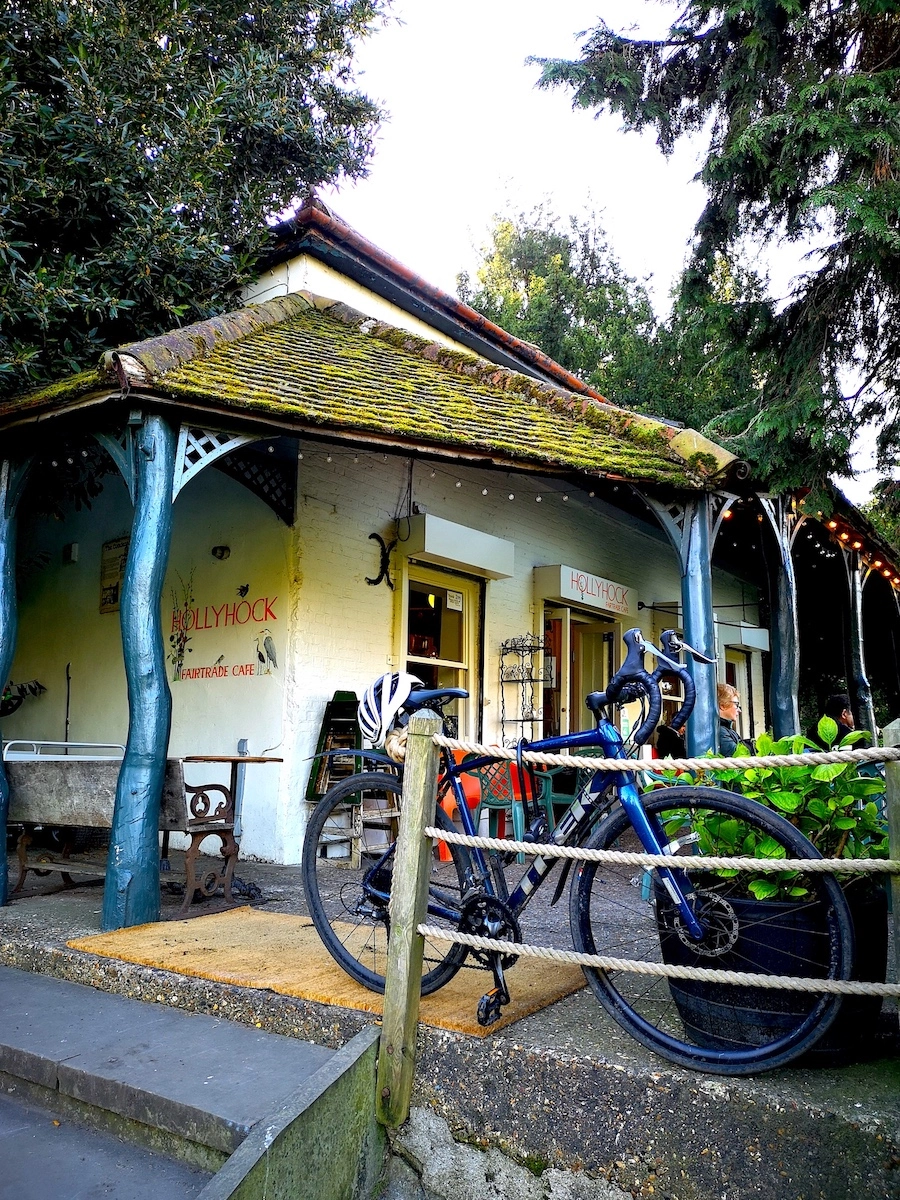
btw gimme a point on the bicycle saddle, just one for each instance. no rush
(423, 697)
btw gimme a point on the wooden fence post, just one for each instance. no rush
(409, 898)
(891, 737)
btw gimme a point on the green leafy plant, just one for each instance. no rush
(836, 805)
(12, 696)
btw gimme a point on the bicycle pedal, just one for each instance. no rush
(490, 1007)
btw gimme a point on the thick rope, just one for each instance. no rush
(657, 765)
(838, 987)
(687, 862)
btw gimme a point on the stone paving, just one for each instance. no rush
(563, 1088)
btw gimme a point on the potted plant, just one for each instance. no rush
(839, 807)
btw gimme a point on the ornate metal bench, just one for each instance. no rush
(77, 790)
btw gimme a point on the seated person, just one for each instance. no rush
(838, 708)
(729, 709)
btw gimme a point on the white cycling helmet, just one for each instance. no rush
(383, 700)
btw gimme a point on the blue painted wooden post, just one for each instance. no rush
(695, 550)
(784, 681)
(11, 479)
(859, 682)
(691, 530)
(131, 895)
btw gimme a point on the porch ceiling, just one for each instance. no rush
(320, 366)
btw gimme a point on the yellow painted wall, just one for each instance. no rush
(331, 630)
(304, 273)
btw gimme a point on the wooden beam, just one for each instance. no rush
(409, 898)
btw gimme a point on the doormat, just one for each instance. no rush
(251, 948)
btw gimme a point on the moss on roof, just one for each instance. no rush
(54, 395)
(319, 363)
(334, 368)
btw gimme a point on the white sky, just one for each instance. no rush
(467, 135)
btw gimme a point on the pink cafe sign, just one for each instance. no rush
(581, 587)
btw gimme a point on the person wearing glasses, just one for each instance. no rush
(729, 710)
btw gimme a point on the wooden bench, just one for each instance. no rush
(77, 790)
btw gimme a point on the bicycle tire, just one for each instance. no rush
(352, 922)
(726, 1029)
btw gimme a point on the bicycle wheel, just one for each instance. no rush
(784, 924)
(348, 860)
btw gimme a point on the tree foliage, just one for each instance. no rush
(559, 286)
(800, 100)
(143, 144)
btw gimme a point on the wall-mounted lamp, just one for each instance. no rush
(221, 552)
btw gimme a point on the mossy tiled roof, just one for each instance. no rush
(320, 364)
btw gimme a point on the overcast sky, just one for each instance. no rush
(467, 135)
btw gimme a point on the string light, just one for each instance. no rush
(459, 483)
(565, 497)
(537, 499)
(271, 449)
(512, 496)
(484, 491)
(328, 458)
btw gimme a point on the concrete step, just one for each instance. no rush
(46, 1156)
(191, 1084)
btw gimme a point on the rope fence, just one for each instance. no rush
(873, 754)
(693, 862)
(860, 866)
(839, 987)
(409, 891)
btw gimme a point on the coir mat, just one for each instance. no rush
(253, 948)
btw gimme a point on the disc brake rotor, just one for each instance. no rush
(719, 921)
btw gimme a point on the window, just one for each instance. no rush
(441, 634)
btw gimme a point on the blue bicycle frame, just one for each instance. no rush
(577, 818)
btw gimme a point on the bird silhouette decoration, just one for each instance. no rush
(271, 659)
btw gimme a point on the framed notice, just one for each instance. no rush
(112, 572)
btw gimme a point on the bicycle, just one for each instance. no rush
(720, 920)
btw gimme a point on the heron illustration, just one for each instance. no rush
(269, 647)
(260, 659)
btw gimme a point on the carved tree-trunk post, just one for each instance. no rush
(857, 574)
(692, 525)
(892, 800)
(131, 895)
(784, 684)
(11, 480)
